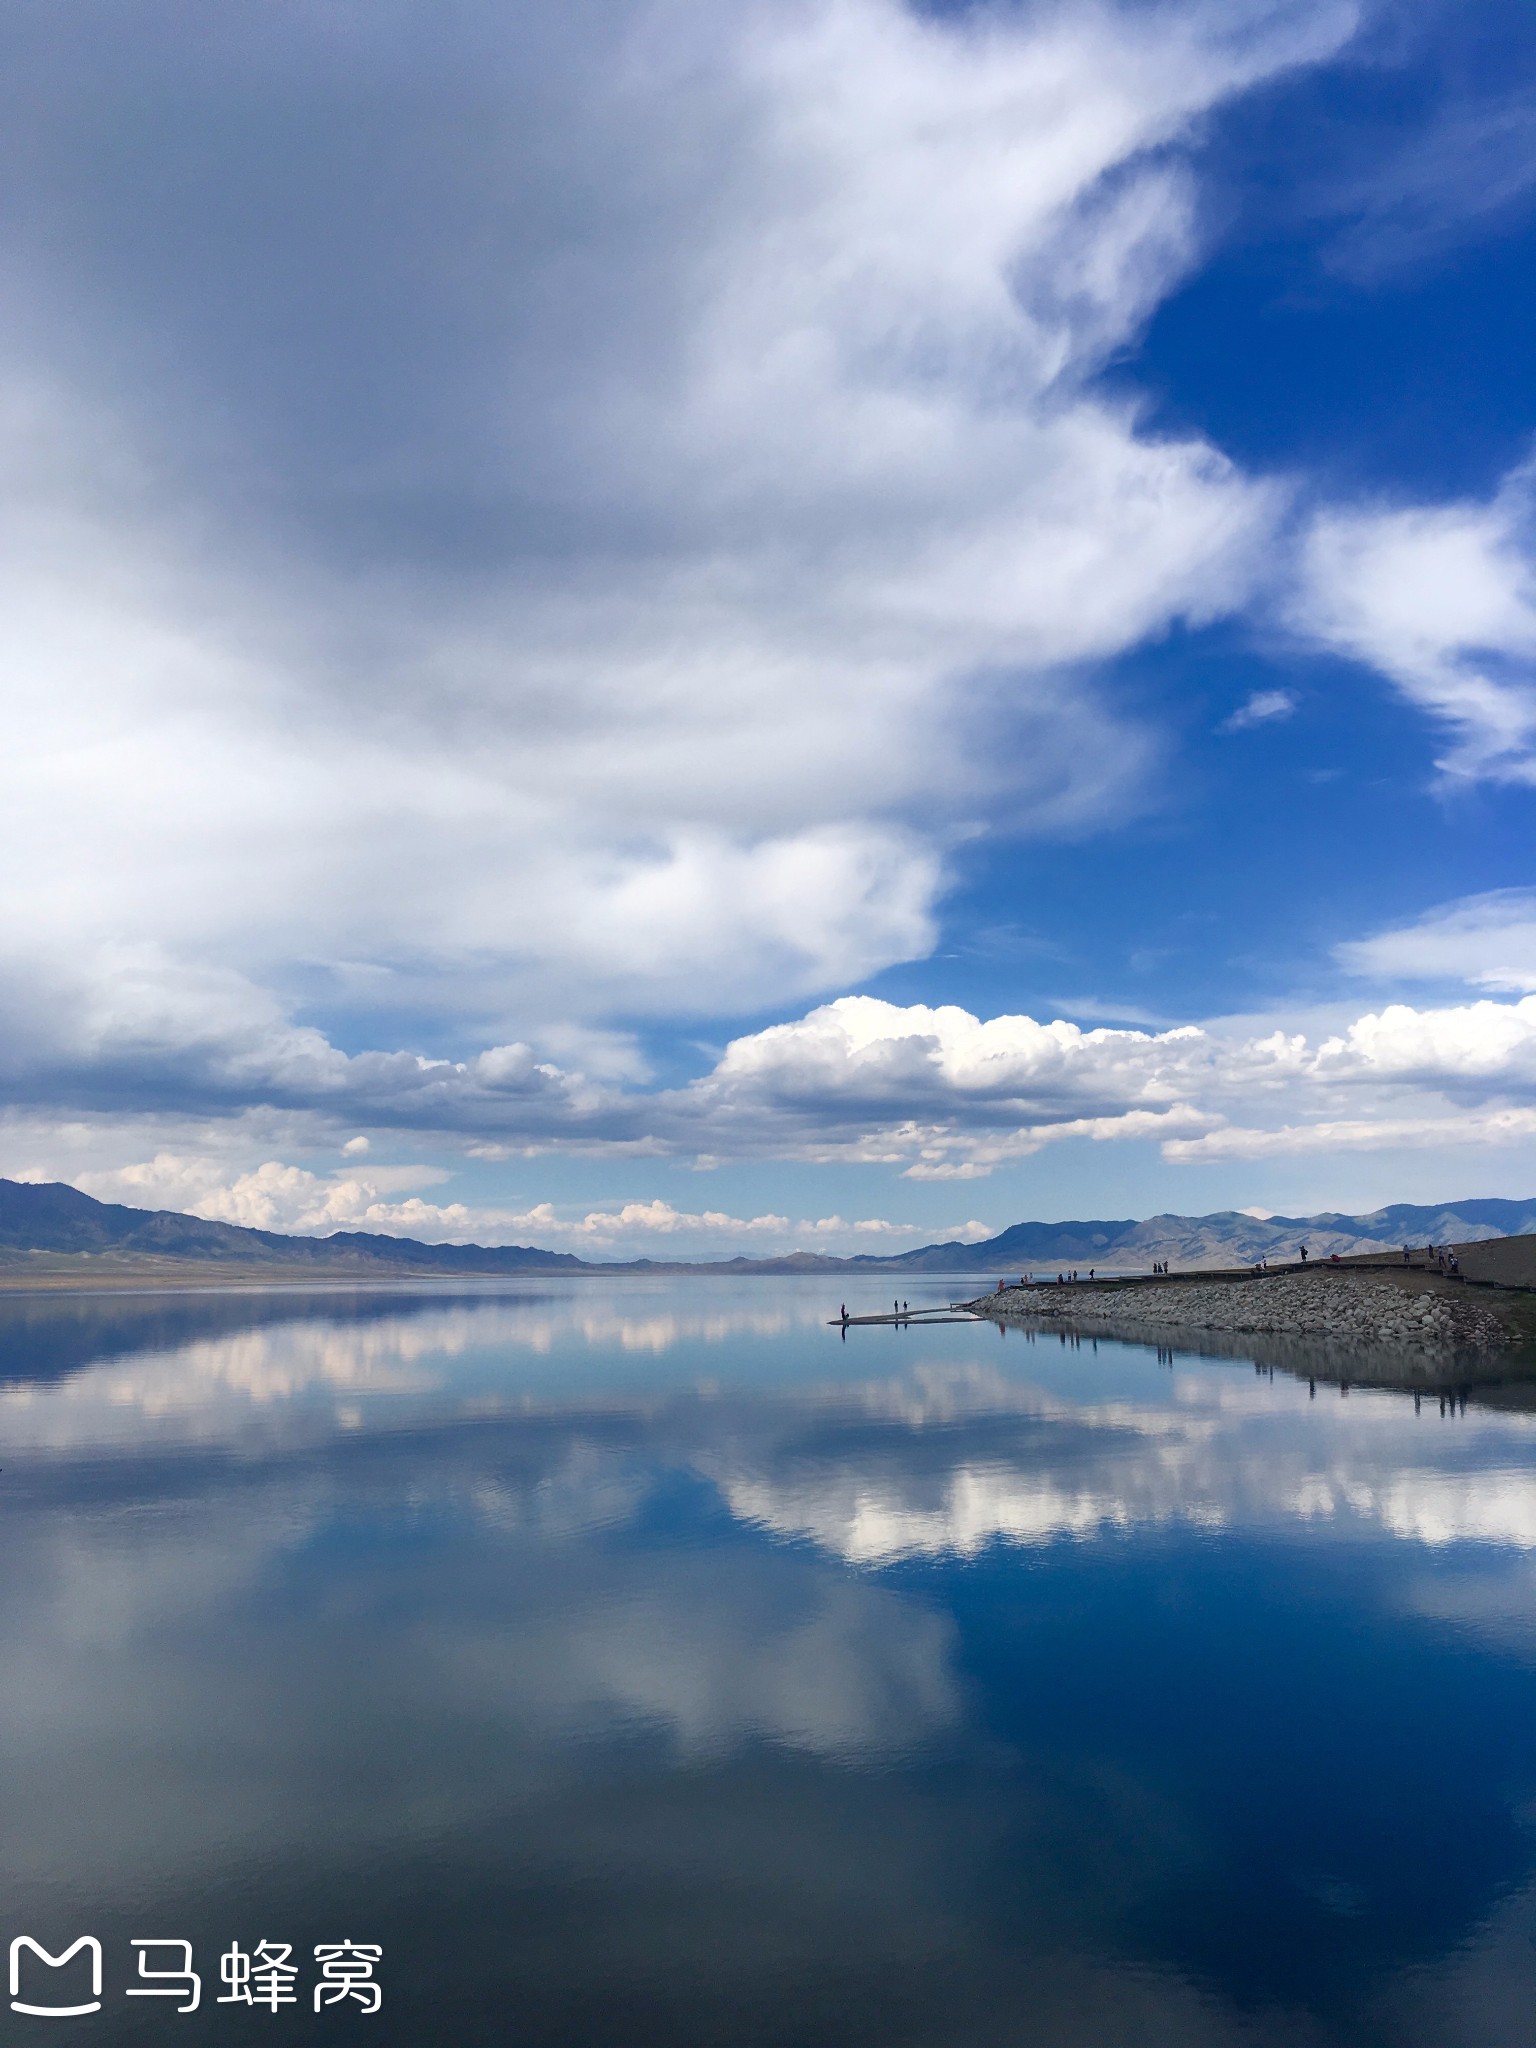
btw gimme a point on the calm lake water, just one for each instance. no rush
(644, 1662)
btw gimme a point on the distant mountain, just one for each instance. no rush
(51, 1218)
(1225, 1238)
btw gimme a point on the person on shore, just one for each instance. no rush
(1303, 1255)
(1407, 1256)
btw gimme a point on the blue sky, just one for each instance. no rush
(656, 630)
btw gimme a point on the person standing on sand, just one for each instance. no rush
(1303, 1255)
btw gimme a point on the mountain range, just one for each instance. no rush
(48, 1221)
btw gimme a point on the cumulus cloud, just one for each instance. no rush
(402, 703)
(283, 1197)
(936, 1093)
(948, 1096)
(616, 636)
(1442, 600)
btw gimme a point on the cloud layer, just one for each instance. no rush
(573, 521)
(936, 1094)
(571, 518)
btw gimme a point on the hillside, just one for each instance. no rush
(38, 1220)
(1226, 1238)
(51, 1217)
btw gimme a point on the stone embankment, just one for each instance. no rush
(1359, 1307)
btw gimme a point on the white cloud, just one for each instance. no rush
(1380, 1134)
(936, 1093)
(946, 1096)
(622, 637)
(282, 1197)
(1264, 707)
(1485, 941)
(1442, 600)
(271, 1196)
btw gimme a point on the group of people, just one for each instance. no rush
(898, 1308)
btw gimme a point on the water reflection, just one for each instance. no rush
(660, 1665)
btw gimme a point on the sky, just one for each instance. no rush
(665, 630)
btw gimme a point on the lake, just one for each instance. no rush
(643, 1661)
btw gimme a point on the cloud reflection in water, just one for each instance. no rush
(914, 1658)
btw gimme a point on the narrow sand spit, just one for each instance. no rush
(1361, 1307)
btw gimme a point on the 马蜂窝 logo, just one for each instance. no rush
(92, 1947)
(264, 1975)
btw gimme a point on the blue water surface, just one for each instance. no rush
(648, 1661)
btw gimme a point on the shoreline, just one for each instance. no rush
(1407, 1311)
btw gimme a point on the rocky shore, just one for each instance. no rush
(1365, 1308)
